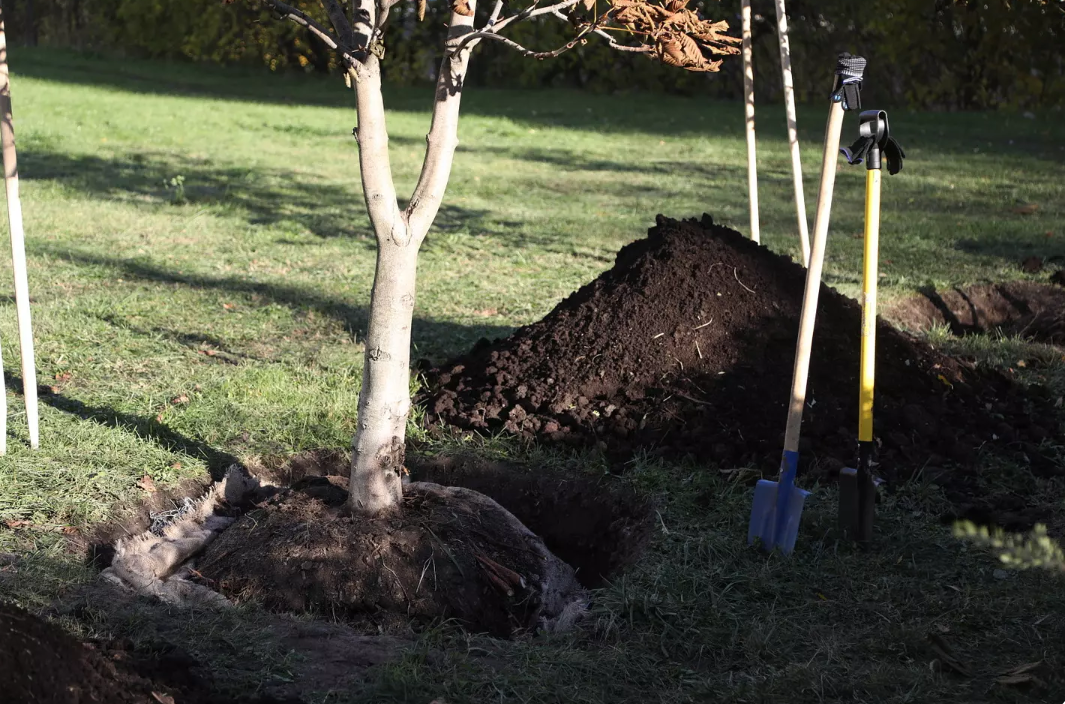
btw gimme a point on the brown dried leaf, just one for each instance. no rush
(672, 51)
(690, 49)
(15, 524)
(1026, 209)
(461, 7)
(147, 483)
(179, 400)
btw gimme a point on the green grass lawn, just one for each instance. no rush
(200, 264)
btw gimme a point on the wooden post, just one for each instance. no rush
(748, 99)
(793, 134)
(18, 246)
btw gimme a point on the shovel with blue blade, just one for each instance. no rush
(778, 505)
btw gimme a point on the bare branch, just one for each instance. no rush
(384, 7)
(640, 49)
(299, 17)
(534, 11)
(340, 21)
(494, 17)
(442, 139)
(474, 37)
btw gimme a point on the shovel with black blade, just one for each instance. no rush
(857, 487)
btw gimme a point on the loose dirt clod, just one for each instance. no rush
(685, 347)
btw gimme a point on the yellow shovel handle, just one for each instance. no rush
(872, 235)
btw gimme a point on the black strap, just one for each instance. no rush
(875, 142)
(848, 88)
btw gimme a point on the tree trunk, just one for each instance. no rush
(384, 401)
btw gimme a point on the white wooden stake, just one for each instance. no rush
(793, 134)
(18, 248)
(748, 99)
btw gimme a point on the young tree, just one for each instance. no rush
(665, 30)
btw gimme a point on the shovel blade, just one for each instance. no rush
(768, 524)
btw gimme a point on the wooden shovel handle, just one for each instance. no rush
(801, 372)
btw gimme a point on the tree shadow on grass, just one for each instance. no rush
(266, 196)
(146, 428)
(434, 338)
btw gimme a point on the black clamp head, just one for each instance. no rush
(848, 86)
(875, 141)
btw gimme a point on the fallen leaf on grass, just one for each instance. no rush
(210, 353)
(228, 306)
(176, 465)
(179, 400)
(1026, 209)
(63, 376)
(15, 524)
(147, 483)
(70, 530)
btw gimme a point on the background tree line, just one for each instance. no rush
(942, 54)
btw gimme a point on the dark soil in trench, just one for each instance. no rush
(41, 663)
(685, 348)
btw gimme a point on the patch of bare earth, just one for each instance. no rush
(1030, 310)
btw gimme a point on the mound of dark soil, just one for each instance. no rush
(1030, 310)
(41, 663)
(686, 347)
(449, 553)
